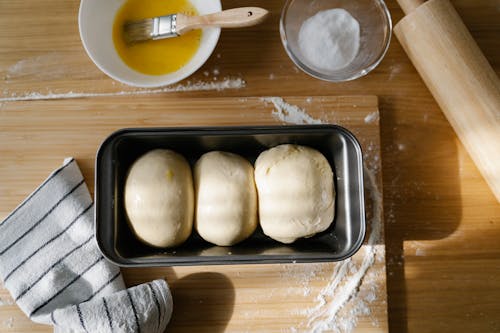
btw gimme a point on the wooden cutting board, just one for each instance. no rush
(350, 296)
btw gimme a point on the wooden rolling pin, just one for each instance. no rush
(458, 76)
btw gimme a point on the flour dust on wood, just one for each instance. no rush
(351, 288)
(227, 83)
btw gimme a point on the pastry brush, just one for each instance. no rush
(174, 25)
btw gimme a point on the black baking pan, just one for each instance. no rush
(117, 153)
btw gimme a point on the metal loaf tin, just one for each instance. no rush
(116, 154)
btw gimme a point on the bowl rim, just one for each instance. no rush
(306, 69)
(209, 50)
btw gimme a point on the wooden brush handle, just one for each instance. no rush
(230, 18)
(460, 78)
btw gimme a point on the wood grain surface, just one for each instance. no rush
(442, 223)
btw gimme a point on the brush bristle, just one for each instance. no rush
(138, 31)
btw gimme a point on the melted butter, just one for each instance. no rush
(161, 56)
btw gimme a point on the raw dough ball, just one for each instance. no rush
(226, 198)
(296, 193)
(159, 198)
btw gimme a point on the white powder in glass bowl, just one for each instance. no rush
(329, 40)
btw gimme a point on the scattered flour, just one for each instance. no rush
(228, 83)
(340, 303)
(420, 252)
(304, 277)
(288, 113)
(371, 117)
(9, 323)
(49, 66)
(5, 302)
(371, 156)
(394, 70)
(347, 278)
(329, 40)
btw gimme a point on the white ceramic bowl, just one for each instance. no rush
(95, 21)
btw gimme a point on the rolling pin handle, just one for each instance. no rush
(409, 6)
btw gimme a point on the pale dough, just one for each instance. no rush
(226, 198)
(296, 192)
(159, 198)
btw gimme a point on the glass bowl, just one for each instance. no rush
(375, 35)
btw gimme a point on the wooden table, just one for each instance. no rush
(442, 224)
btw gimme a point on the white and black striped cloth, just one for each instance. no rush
(50, 263)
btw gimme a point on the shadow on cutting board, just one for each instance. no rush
(420, 173)
(203, 302)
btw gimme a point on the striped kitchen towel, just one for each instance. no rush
(50, 263)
